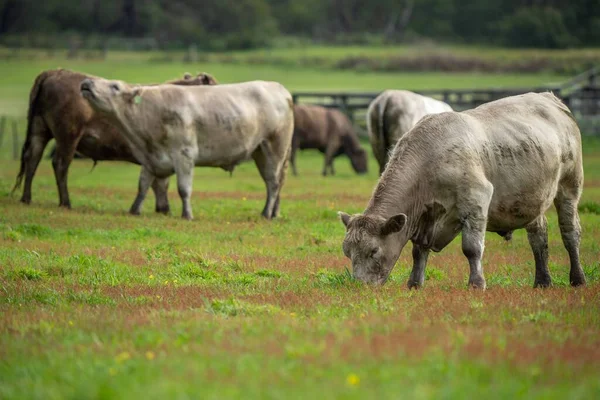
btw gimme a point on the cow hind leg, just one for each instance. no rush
(417, 275)
(537, 234)
(570, 230)
(271, 171)
(184, 169)
(160, 186)
(293, 159)
(31, 159)
(146, 179)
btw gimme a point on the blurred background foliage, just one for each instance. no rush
(219, 25)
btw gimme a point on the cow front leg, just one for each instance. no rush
(417, 275)
(537, 234)
(146, 179)
(474, 203)
(60, 163)
(329, 153)
(472, 246)
(160, 186)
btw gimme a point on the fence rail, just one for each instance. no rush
(581, 94)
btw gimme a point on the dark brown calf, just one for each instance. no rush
(58, 111)
(330, 132)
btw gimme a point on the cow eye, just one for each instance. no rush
(114, 87)
(374, 252)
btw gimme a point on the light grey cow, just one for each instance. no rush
(171, 129)
(392, 114)
(498, 167)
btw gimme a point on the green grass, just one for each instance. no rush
(95, 303)
(17, 75)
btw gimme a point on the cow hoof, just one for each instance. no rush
(413, 285)
(543, 284)
(477, 283)
(165, 211)
(577, 280)
(187, 217)
(66, 205)
(135, 212)
(25, 201)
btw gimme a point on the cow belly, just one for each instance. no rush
(512, 212)
(212, 155)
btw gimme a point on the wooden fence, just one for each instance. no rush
(581, 94)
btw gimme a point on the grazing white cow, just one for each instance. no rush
(392, 114)
(498, 167)
(171, 129)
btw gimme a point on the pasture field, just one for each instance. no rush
(98, 304)
(95, 303)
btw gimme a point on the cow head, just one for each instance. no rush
(198, 80)
(373, 244)
(358, 159)
(108, 96)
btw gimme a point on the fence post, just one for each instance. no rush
(2, 126)
(15, 140)
(192, 54)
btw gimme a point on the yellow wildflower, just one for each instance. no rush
(70, 323)
(292, 314)
(151, 276)
(150, 355)
(121, 357)
(353, 380)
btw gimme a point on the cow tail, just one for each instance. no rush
(33, 97)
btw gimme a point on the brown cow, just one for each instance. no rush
(329, 131)
(58, 111)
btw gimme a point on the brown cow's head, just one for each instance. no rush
(198, 80)
(358, 159)
(373, 244)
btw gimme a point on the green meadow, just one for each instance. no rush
(98, 304)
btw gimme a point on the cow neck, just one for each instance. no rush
(399, 192)
(132, 133)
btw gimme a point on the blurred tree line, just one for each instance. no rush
(241, 24)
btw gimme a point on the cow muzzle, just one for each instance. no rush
(86, 88)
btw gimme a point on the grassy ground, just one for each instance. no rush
(95, 303)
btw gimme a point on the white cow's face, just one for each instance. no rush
(373, 245)
(108, 96)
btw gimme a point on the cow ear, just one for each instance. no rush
(187, 76)
(344, 217)
(206, 78)
(393, 224)
(134, 95)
